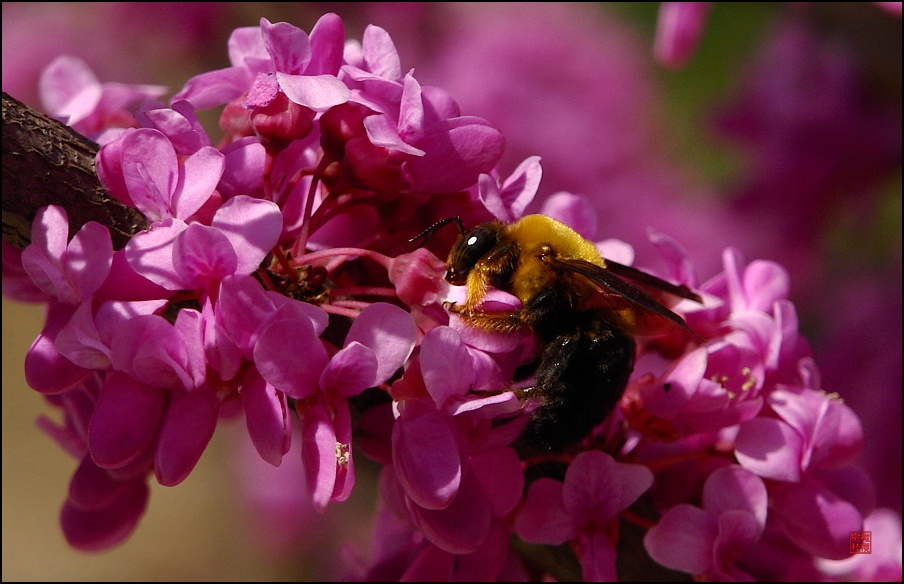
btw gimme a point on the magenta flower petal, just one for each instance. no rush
(89, 258)
(457, 152)
(463, 525)
(382, 131)
(290, 357)
(252, 227)
(266, 414)
(150, 171)
(380, 54)
(592, 473)
(244, 172)
(678, 31)
(80, 342)
(577, 212)
(150, 254)
(431, 565)
(543, 518)
(203, 256)
(188, 427)
(733, 488)
(214, 88)
(770, 448)
(350, 371)
(327, 45)
(446, 364)
(500, 476)
(816, 519)
(597, 556)
(318, 92)
(318, 453)
(345, 467)
(683, 539)
(93, 488)
(100, 529)
(288, 45)
(197, 180)
(390, 332)
(69, 89)
(126, 419)
(46, 370)
(426, 458)
(739, 531)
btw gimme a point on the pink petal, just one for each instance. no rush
(597, 488)
(456, 152)
(390, 332)
(203, 256)
(463, 525)
(411, 111)
(93, 488)
(327, 45)
(266, 414)
(150, 254)
(543, 519)
(380, 54)
(46, 370)
(383, 131)
(100, 529)
(769, 448)
(597, 556)
(500, 476)
(89, 258)
(350, 371)
(69, 89)
(80, 341)
(290, 357)
(125, 420)
(426, 459)
(288, 45)
(734, 488)
(150, 171)
(683, 539)
(739, 531)
(431, 565)
(345, 465)
(678, 31)
(252, 227)
(318, 92)
(318, 453)
(188, 427)
(197, 180)
(815, 519)
(446, 365)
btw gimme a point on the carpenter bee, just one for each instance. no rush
(583, 310)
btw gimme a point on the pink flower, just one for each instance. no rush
(583, 509)
(707, 542)
(72, 93)
(678, 31)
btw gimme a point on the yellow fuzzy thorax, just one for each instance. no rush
(532, 233)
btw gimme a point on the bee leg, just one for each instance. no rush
(496, 322)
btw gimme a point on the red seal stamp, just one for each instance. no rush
(861, 542)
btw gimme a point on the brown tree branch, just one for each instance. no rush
(46, 162)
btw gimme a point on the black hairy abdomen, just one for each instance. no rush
(581, 377)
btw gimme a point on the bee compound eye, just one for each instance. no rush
(469, 249)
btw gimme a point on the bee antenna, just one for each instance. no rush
(435, 227)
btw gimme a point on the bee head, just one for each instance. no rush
(468, 250)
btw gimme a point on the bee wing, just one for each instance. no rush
(632, 309)
(640, 277)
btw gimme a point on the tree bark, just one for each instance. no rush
(47, 163)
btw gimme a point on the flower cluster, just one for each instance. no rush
(276, 282)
